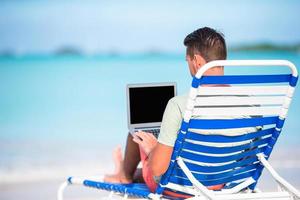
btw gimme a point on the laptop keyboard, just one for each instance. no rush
(154, 132)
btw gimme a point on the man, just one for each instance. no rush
(203, 45)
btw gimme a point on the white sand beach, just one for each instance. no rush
(47, 190)
(286, 162)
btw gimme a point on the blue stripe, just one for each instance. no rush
(184, 126)
(214, 159)
(195, 82)
(70, 180)
(222, 150)
(231, 123)
(206, 177)
(280, 123)
(212, 169)
(224, 139)
(293, 81)
(182, 181)
(244, 79)
(138, 190)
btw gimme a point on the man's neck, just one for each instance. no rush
(214, 73)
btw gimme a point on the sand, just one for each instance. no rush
(285, 161)
(47, 190)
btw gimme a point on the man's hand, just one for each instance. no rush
(147, 141)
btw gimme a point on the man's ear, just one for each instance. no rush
(199, 61)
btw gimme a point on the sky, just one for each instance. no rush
(39, 26)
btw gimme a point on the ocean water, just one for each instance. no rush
(63, 115)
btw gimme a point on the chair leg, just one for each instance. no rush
(125, 197)
(257, 190)
(111, 195)
(61, 189)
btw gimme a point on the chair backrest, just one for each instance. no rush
(226, 126)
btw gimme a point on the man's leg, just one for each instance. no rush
(131, 160)
(126, 170)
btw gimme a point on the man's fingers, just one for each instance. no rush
(142, 138)
(136, 138)
(152, 137)
(144, 135)
(141, 134)
(147, 137)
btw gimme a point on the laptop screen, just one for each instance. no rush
(147, 104)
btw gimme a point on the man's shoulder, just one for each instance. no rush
(179, 98)
(179, 101)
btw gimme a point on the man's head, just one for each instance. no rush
(205, 45)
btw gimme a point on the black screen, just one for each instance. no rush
(147, 104)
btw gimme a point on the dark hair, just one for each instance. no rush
(207, 42)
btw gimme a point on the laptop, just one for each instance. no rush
(146, 104)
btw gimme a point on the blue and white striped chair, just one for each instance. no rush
(253, 107)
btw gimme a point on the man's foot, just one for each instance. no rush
(119, 174)
(118, 159)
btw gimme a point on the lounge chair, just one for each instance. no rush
(254, 106)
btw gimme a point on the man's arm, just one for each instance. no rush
(159, 159)
(159, 155)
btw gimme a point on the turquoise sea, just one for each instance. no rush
(61, 115)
